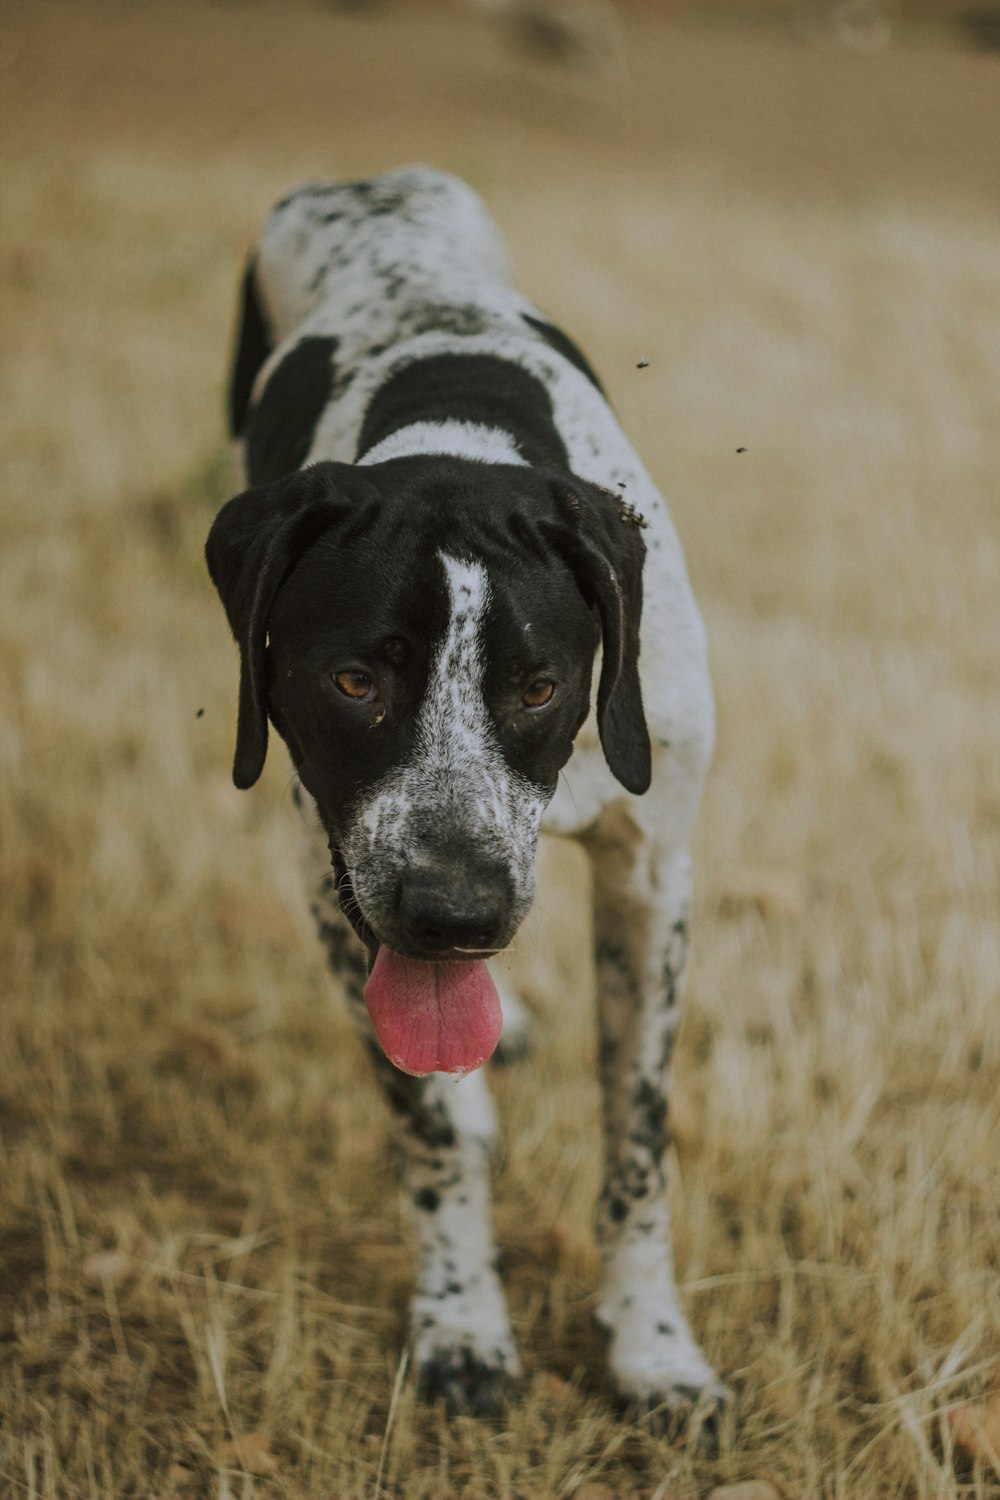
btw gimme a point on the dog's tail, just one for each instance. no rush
(252, 345)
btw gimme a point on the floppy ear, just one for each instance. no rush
(598, 537)
(255, 541)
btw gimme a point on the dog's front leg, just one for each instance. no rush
(641, 895)
(463, 1347)
(462, 1341)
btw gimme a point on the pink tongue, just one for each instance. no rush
(433, 1018)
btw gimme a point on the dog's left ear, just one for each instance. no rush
(255, 541)
(600, 538)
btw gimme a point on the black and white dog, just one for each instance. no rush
(446, 528)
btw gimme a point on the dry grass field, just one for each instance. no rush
(201, 1239)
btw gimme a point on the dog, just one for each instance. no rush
(445, 538)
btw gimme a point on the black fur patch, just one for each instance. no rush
(253, 345)
(462, 318)
(464, 1382)
(468, 388)
(425, 1120)
(344, 955)
(282, 425)
(564, 345)
(651, 1119)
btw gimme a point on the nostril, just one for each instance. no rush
(455, 913)
(455, 929)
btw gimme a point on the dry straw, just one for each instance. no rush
(801, 244)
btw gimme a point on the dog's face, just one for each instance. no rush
(422, 635)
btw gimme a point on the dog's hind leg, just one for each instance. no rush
(641, 894)
(463, 1347)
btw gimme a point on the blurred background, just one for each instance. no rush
(773, 228)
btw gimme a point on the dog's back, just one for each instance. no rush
(411, 235)
(366, 262)
(351, 282)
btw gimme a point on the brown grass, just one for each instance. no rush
(803, 245)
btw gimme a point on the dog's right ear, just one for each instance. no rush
(255, 541)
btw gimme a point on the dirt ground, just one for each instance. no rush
(204, 1260)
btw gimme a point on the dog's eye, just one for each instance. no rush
(356, 685)
(538, 693)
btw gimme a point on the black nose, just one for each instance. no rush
(444, 904)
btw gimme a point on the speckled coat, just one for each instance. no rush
(380, 330)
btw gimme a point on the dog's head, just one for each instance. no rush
(422, 633)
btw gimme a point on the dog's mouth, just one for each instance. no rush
(438, 1014)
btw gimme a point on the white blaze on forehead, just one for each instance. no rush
(456, 775)
(453, 732)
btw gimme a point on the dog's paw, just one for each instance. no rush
(468, 1382)
(663, 1379)
(697, 1413)
(464, 1351)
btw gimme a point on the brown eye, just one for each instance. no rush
(356, 685)
(538, 693)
